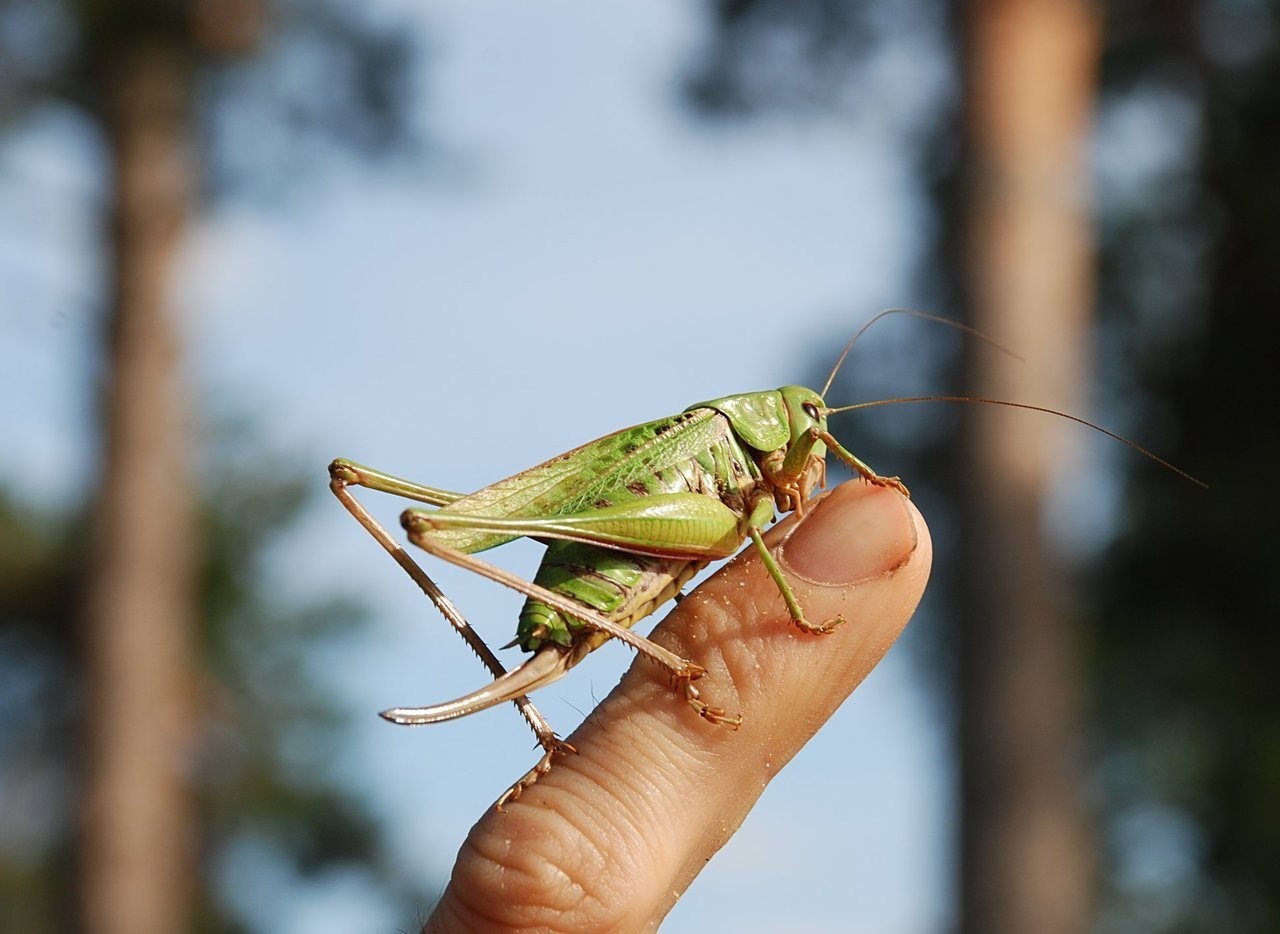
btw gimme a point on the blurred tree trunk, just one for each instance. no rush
(138, 846)
(1028, 278)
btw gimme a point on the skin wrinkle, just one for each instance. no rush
(550, 848)
(656, 791)
(459, 912)
(737, 642)
(668, 755)
(594, 830)
(661, 829)
(660, 742)
(600, 899)
(657, 747)
(713, 631)
(640, 791)
(662, 737)
(525, 871)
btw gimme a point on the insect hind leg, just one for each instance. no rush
(551, 744)
(683, 671)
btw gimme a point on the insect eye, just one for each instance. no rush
(811, 410)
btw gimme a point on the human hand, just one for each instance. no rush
(610, 838)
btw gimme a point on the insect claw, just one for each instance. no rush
(692, 672)
(512, 794)
(717, 716)
(891, 482)
(828, 627)
(565, 749)
(704, 710)
(551, 748)
(529, 778)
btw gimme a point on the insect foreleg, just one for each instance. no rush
(857, 465)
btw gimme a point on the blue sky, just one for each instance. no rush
(596, 258)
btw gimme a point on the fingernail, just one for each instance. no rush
(857, 533)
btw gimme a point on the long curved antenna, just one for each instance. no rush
(979, 400)
(924, 316)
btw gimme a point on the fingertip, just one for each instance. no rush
(855, 534)
(656, 790)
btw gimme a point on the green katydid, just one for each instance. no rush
(628, 519)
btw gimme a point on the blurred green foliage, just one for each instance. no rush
(256, 82)
(266, 79)
(261, 770)
(1187, 705)
(1181, 601)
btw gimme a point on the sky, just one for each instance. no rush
(591, 256)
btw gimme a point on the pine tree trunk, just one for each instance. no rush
(137, 846)
(1028, 268)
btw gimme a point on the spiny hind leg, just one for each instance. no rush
(551, 744)
(682, 669)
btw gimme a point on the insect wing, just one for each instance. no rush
(587, 476)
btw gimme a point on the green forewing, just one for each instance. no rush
(589, 476)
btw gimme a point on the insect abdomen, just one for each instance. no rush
(624, 587)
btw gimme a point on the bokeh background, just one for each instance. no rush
(451, 239)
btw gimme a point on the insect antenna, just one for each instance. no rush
(979, 400)
(924, 316)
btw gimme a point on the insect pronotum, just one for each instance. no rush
(628, 519)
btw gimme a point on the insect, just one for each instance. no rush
(628, 520)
